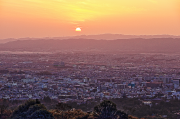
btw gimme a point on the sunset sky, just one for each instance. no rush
(53, 18)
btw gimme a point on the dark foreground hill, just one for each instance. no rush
(138, 45)
(33, 109)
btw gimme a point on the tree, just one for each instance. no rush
(30, 110)
(41, 114)
(2, 109)
(34, 108)
(62, 106)
(121, 115)
(70, 114)
(107, 110)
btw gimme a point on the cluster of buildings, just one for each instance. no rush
(80, 77)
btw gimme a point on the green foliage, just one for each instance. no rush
(41, 114)
(70, 114)
(20, 111)
(63, 106)
(104, 110)
(121, 115)
(34, 108)
(136, 108)
(107, 110)
(2, 109)
(29, 109)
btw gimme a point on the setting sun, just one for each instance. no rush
(78, 29)
(42, 18)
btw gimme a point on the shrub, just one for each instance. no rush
(31, 109)
(108, 110)
(41, 114)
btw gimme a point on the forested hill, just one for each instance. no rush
(138, 45)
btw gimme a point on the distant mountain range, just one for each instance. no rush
(121, 36)
(96, 37)
(133, 45)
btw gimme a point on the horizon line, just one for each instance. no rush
(91, 35)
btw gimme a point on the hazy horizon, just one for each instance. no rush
(100, 36)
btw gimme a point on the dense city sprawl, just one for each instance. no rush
(82, 76)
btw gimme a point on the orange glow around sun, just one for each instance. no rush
(49, 18)
(78, 29)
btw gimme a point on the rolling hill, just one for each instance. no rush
(138, 45)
